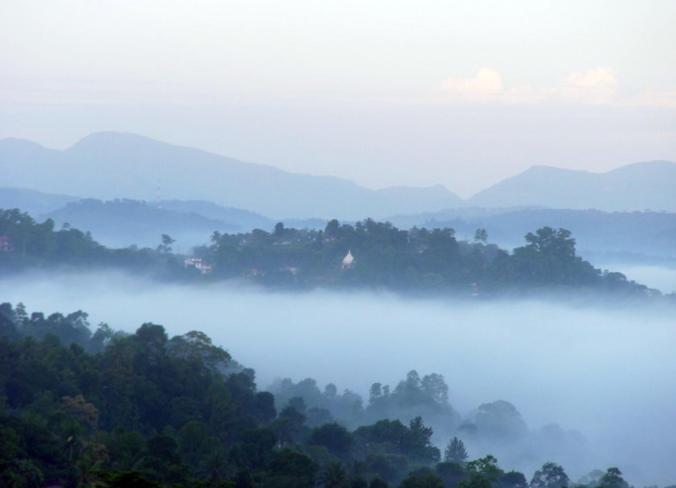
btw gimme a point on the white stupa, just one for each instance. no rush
(348, 260)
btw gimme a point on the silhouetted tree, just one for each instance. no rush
(455, 451)
(550, 475)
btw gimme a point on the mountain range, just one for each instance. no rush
(639, 237)
(111, 165)
(122, 223)
(125, 222)
(641, 186)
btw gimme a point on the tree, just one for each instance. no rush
(334, 437)
(334, 476)
(455, 451)
(291, 468)
(485, 467)
(422, 479)
(481, 235)
(475, 481)
(165, 244)
(612, 479)
(420, 442)
(279, 229)
(552, 241)
(501, 420)
(378, 483)
(289, 425)
(197, 346)
(450, 473)
(435, 387)
(550, 475)
(513, 479)
(257, 447)
(375, 392)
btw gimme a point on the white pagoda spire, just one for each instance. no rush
(348, 260)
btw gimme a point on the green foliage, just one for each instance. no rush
(422, 479)
(387, 257)
(334, 437)
(416, 259)
(39, 245)
(481, 235)
(455, 451)
(513, 479)
(550, 475)
(147, 410)
(612, 478)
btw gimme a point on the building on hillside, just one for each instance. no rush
(348, 260)
(199, 264)
(290, 269)
(6, 244)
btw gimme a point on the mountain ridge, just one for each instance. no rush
(138, 167)
(645, 185)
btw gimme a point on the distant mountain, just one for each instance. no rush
(122, 223)
(33, 202)
(111, 165)
(236, 218)
(641, 186)
(601, 236)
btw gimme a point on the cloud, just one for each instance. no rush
(596, 86)
(485, 86)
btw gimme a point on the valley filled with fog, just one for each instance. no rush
(606, 372)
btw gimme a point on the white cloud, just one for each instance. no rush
(596, 86)
(485, 86)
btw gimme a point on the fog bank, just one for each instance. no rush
(607, 372)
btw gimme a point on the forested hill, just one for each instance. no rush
(145, 410)
(367, 254)
(29, 245)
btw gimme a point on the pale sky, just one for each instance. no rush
(460, 93)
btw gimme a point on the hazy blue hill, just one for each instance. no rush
(649, 185)
(111, 165)
(121, 223)
(436, 197)
(23, 151)
(598, 233)
(640, 186)
(34, 202)
(241, 219)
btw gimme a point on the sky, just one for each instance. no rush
(460, 93)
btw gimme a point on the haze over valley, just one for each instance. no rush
(337, 244)
(608, 382)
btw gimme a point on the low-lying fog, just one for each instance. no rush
(661, 278)
(609, 372)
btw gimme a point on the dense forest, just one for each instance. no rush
(26, 244)
(381, 256)
(102, 408)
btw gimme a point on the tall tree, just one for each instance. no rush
(455, 451)
(550, 475)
